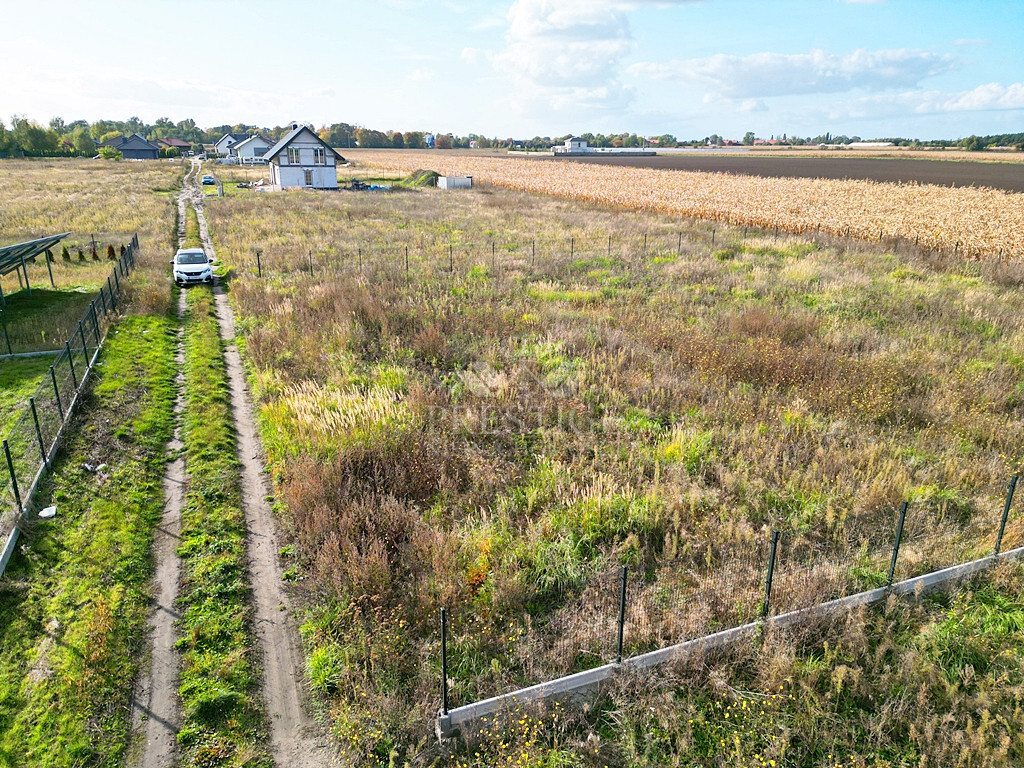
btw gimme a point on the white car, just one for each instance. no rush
(191, 266)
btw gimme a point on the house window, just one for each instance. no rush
(318, 156)
(309, 177)
(293, 156)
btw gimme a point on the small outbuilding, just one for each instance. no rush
(302, 159)
(454, 182)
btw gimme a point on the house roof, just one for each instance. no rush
(254, 137)
(137, 142)
(235, 138)
(289, 137)
(170, 141)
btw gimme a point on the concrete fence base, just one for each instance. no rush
(590, 682)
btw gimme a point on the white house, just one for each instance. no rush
(573, 146)
(224, 144)
(303, 159)
(252, 147)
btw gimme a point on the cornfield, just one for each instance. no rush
(971, 220)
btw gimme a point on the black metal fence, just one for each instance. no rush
(404, 254)
(624, 611)
(31, 442)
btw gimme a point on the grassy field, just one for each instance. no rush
(972, 221)
(19, 379)
(105, 200)
(73, 602)
(591, 387)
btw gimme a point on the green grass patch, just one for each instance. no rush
(19, 379)
(224, 723)
(73, 602)
(45, 319)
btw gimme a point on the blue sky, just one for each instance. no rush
(938, 69)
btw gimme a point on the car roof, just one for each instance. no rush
(190, 250)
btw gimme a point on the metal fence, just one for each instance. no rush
(32, 441)
(406, 254)
(622, 611)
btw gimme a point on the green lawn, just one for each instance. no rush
(45, 319)
(73, 601)
(19, 380)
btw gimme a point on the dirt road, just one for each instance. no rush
(296, 739)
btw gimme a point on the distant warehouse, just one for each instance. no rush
(454, 182)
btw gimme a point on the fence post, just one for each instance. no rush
(7, 339)
(533, 254)
(71, 363)
(622, 613)
(56, 393)
(39, 433)
(609, 246)
(14, 478)
(451, 259)
(679, 245)
(770, 576)
(1006, 512)
(407, 262)
(444, 658)
(645, 242)
(95, 322)
(572, 247)
(896, 544)
(712, 238)
(85, 348)
(103, 299)
(113, 298)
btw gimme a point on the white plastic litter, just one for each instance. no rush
(48, 512)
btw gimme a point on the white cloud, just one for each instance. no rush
(763, 75)
(565, 54)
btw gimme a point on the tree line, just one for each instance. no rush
(27, 138)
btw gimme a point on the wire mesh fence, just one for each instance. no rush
(35, 434)
(618, 612)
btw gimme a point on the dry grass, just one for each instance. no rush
(559, 406)
(976, 222)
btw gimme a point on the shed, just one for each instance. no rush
(454, 182)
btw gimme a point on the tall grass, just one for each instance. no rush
(501, 439)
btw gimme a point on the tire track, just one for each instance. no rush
(296, 739)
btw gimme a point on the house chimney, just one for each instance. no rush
(295, 126)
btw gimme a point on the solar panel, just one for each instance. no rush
(13, 257)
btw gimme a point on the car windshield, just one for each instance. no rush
(191, 258)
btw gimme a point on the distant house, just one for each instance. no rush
(303, 159)
(248, 149)
(179, 144)
(134, 147)
(224, 144)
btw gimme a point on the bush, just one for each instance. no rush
(109, 153)
(81, 255)
(64, 254)
(110, 253)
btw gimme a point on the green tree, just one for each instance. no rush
(414, 140)
(109, 153)
(83, 143)
(748, 138)
(397, 141)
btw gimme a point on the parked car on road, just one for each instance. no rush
(191, 266)
(207, 179)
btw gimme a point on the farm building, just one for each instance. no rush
(303, 159)
(134, 147)
(454, 182)
(253, 147)
(224, 144)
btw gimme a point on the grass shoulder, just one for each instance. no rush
(224, 723)
(73, 602)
